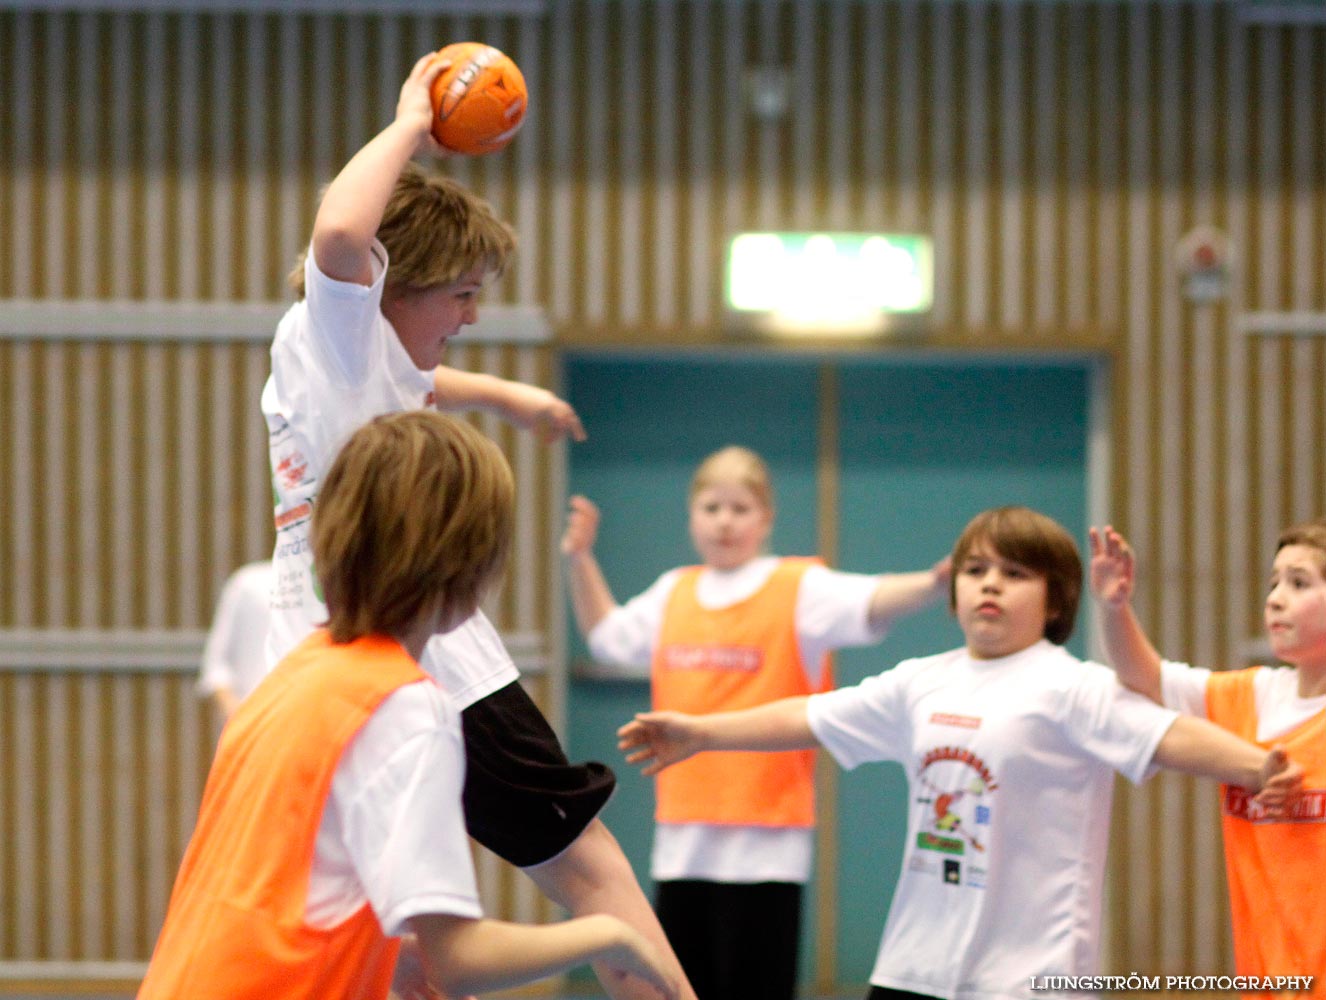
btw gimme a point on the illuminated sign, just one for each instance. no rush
(838, 282)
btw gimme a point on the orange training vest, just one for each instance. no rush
(1274, 866)
(732, 658)
(235, 926)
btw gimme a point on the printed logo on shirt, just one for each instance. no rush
(293, 515)
(952, 871)
(730, 659)
(1309, 808)
(944, 845)
(961, 721)
(954, 787)
(291, 469)
(976, 877)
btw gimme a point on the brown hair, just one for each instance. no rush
(417, 508)
(1309, 533)
(435, 230)
(1037, 542)
(735, 464)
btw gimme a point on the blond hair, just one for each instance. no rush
(1037, 542)
(1311, 534)
(417, 510)
(435, 230)
(738, 465)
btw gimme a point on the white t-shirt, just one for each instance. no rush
(393, 832)
(234, 657)
(831, 613)
(1010, 766)
(336, 364)
(1275, 690)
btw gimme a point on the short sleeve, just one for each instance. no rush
(833, 610)
(1183, 688)
(342, 315)
(470, 661)
(626, 637)
(397, 797)
(1117, 727)
(867, 722)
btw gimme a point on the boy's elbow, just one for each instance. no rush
(339, 252)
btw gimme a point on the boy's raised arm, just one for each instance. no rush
(353, 204)
(1127, 647)
(591, 597)
(659, 739)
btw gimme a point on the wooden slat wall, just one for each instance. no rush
(1055, 151)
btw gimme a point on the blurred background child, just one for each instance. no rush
(735, 832)
(233, 658)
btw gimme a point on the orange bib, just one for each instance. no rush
(235, 926)
(1274, 867)
(727, 659)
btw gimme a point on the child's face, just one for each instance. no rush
(425, 320)
(729, 526)
(1000, 604)
(1295, 609)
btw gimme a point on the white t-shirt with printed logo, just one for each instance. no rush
(1010, 766)
(336, 364)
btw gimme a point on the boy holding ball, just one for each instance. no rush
(397, 260)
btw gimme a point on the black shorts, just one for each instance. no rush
(523, 799)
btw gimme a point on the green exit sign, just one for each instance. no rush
(831, 280)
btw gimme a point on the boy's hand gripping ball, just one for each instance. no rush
(479, 101)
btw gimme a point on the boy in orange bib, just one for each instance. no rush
(1274, 863)
(331, 825)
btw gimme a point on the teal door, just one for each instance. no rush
(914, 445)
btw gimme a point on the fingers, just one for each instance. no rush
(562, 422)
(582, 526)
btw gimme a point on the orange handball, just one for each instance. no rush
(479, 101)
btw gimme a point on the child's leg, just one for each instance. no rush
(735, 941)
(761, 939)
(686, 909)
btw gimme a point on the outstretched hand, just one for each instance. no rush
(659, 739)
(536, 409)
(942, 571)
(582, 526)
(1113, 569)
(1281, 784)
